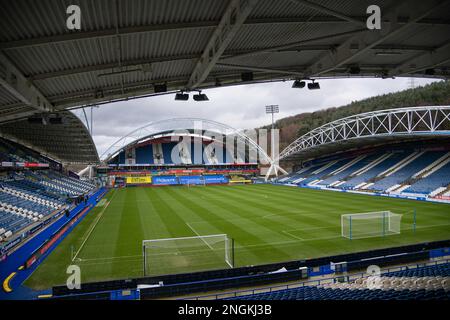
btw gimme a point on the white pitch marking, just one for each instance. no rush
(199, 236)
(291, 235)
(93, 227)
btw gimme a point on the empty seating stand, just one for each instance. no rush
(424, 283)
(381, 172)
(29, 196)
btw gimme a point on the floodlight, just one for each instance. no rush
(272, 108)
(313, 86)
(200, 97)
(298, 84)
(182, 96)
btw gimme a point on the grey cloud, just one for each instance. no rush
(241, 106)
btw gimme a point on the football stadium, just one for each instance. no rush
(346, 203)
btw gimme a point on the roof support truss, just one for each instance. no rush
(105, 33)
(331, 12)
(371, 38)
(233, 18)
(20, 87)
(424, 60)
(393, 122)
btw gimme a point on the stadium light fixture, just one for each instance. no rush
(273, 108)
(181, 96)
(313, 85)
(298, 84)
(200, 97)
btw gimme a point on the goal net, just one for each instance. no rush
(187, 254)
(370, 224)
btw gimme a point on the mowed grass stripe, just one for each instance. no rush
(241, 235)
(254, 215)
(191, 213)
(291, 221)
(244, 215)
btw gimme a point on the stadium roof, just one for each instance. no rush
(372, 128)
(125, 48)
(63, 138)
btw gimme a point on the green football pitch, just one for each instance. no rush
(268, 224)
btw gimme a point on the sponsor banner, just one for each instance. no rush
(31, 165)
(191, 180)
(164, 180)
(184, 171)
(139, 180)
(24, 164)
(12, 244)
(215, 179)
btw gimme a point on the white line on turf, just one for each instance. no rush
(92, 229)
(291, 235)
(190, 227)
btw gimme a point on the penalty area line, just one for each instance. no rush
(291, 235)
(193, 230)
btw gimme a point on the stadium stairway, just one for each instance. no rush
(296, 176)
(316, 175)
(404, 172)
(438, 176)
(360, 178)
(343, 171)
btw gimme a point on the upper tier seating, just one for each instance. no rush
(13, 152)
(144, 154)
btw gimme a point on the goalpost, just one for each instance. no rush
(370, 224)
(187, 254)
(202, 183)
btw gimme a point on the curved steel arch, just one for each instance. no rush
(390, 122)
(163, 126)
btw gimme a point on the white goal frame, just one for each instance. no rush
(203, 184)
(389, 224)
(228, 247)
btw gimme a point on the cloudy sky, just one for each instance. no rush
(241, 107)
